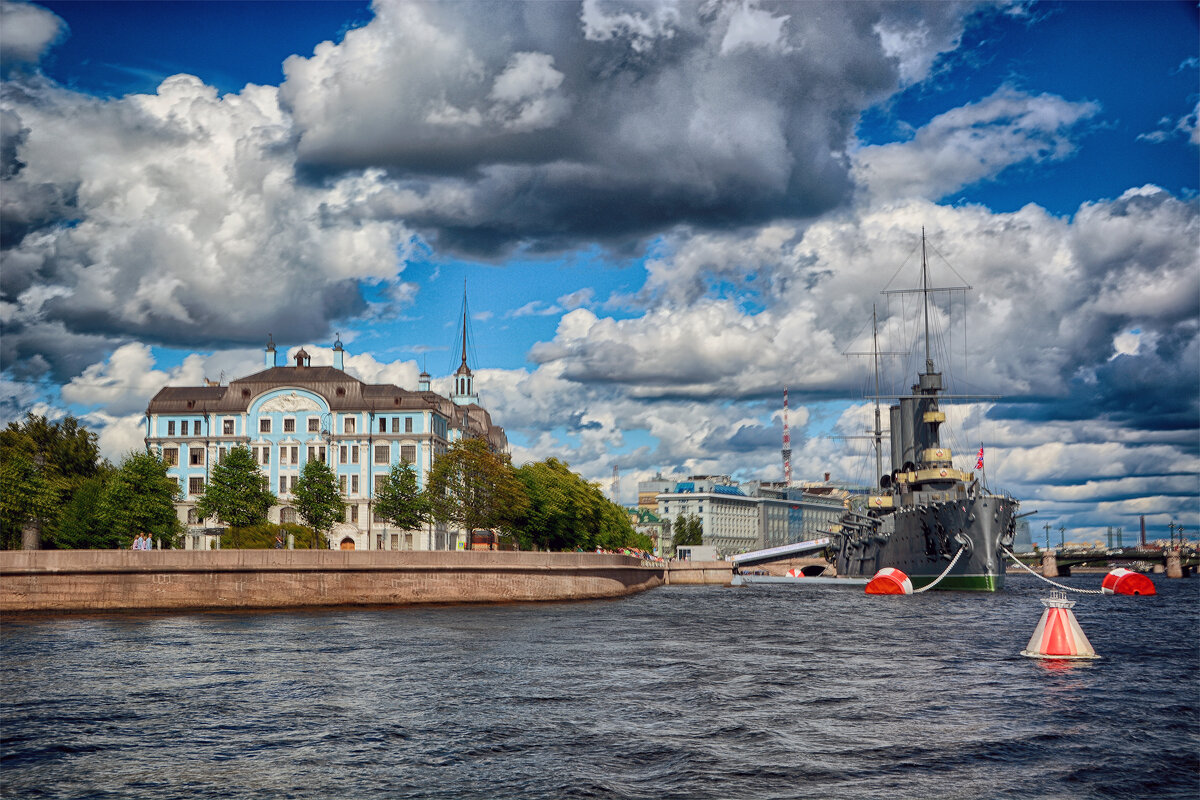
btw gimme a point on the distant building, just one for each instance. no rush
(647, 523)
(648, 491)
(289, 415)
(736, 518)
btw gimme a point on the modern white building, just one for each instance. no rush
(737, 518)
(288, 415)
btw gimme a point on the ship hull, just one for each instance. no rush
(921, 541)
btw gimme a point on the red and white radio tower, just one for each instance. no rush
(787, 443)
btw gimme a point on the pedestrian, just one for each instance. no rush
(278, 542)
(137, 543)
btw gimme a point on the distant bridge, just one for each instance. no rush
(1057, 563)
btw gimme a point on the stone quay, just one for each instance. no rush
(126, 580)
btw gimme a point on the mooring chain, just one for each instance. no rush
(945, 572)
(1023, 566)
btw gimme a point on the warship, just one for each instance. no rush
(924, 516)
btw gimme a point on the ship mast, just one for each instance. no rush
(925, 293)
(878, 426)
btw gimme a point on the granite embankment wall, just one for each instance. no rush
(125, 580)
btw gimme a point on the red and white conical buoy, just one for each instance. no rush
(1124, 581)
(1058, 635)
(795, 573)
(890, 580)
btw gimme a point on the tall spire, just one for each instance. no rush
(464, 381)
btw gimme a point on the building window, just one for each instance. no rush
(383, 453)
(266, 456)
(314, 425)
(171, 427)
(183, 428)
(264, 426)
(291, 483)
(196, 456)
(227, 427)
(171, 456)
(289, 425)
(408, 424)
(353, 454)
(353, 484)
(380, 482)
(295, 454)
(408, 453)
(342, 484)
(282, 484)
(348, 425)
(395, 424)
(221, 451)
(383, 424)
(287, 515)
(195, 486)
(342, 455)
(193, 517)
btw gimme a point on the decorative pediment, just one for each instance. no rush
(289, 402)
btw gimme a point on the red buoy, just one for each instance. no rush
(1058, 635)
(890, 580)
(1125, 581)
(795, 573)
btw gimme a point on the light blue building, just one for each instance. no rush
(287, 415)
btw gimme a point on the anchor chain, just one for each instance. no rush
(1022, 565)
(945, 572)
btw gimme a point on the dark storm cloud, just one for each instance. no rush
(558, 123)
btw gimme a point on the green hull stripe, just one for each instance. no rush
(966, 583)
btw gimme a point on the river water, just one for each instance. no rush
(679, 692)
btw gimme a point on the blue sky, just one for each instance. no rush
(663, 213)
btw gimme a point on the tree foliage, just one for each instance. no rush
(42, 464)
(475, 489)
(566, 512)
(237, 491)
(689, 532)
(139, 498)
(317, 499)
(400, 501)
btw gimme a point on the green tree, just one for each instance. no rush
(474, 488)
(80, 525)
(30, 495)
(317, 500)
(568, 513)
(139, 498)
(237, 492)
(400, 501)
(689, 532)
(41, 465)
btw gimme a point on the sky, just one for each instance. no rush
(662, 213)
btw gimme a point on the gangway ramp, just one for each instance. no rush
(777, 553)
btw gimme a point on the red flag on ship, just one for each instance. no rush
(979, 460)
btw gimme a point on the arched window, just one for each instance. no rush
(193, 517)
(287, 515)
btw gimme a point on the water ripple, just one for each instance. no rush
(682, 692)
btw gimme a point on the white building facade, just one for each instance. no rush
(289, 415)
(739, 518)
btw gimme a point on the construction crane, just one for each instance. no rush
(787, 443)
